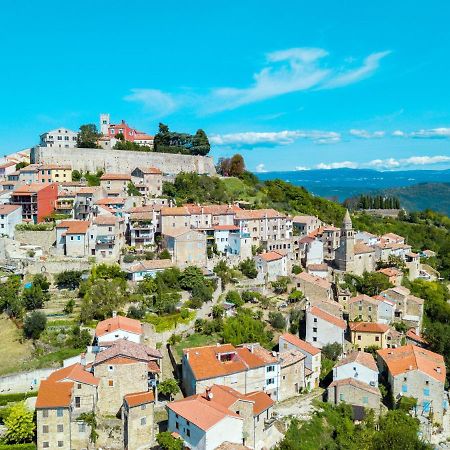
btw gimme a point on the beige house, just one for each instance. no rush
(115, 182)
(72, 238)
(363, 308)
(354, 392)
(315, 289)
(271, 265)
(187, 247)
(107, 237)
(368, 334)
(415, 372)
(148, 181)
(292, 373)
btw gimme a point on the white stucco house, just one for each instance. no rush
(323, 328)
(10, 216)
(271, 265)
(118, 327)
(358, 365)
(147, 268)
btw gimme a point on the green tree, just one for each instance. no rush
(234, 297)
(76, 175)
(277, 320)
(79, 338)
(133, 190)
(33, 297)
(280, 286)
(35, 323)
(217, 311)
(332, 351)
(90, 420)
(19, 424)
(296, 269)
(168, 388)
(41, 281)
(9, 297)
(200, 143)
(167, 442)
(248, 268)
(68, 279)
(88, 136)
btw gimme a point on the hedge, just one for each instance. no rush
(17, 397)
(30, 446)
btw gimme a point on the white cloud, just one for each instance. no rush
(153, 100)
(302, 168)
(389, 163)
(286, 71)
(370, 65)
(398, 133)
(367, 134)
(424, 160)
(338, 165)
(260, 168)
(284, 137)
(431, 133)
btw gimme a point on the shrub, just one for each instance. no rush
(234, 297)
(277, 320)
(34, 325)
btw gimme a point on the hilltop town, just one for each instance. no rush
(151, 299)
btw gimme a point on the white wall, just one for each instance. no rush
(357, 371)
(327, 333)
(119, 334)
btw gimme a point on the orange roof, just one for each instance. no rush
(139, 398)
(390, 271)
(174, 211)
(74, 226)
(151, 170)
(226, 227)
(410, 357)
(415, 337)
(302, 345)
(110, 201)
(115, 176)
(75, 372)
(249, 214)
(368, 327)
(7, 209)
(53, 394)
(363, 358)
(363, 298)
(328, 317)
(361, 248)
(309, 278)
(271, 256)
(223, 209)
(118, 323)
(205, 362)
(202, 412)
(357, 384)
(30, 188)
(105, 220)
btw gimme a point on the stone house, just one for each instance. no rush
(364, 258)
(415, 339)
(416, 372)
(124, 368)
(60, 138)
(358, 365)
(323, 328)
(371, 309)
(292, 373)
(148, 181)
(205, 421)
(303, 225)
(115, 182)
(310, 251)
(72, 238)
(313, 355)
(315, 289)
(187, 247)
(142, 223)
(394, 275)
(354, 392)
(107, 237)
(318, 270)
(246, 368)
(271, 265)
(368, 334)
(85, 199)
(137, 418)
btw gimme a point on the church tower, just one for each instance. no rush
(346, 253)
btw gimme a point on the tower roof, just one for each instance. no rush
(347, 222)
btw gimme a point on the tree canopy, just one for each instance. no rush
(88, 136)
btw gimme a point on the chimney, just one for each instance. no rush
(438, 369)
(209, 394)
(114, 313)
(83, 359)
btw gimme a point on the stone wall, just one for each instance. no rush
(44, 239)
(22, 382)
(88, 159)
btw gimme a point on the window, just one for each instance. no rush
(177, 425)
(59, 428)
(359, 337)
(365, 400)
(45, 413)
(271, 369)
(427, 383)
(143, 421)
(59, 412)
(426, 391)
(77, 402)
(404, 388)
(314, 329)
(60, 443)
(314, 339)
(111, 368)
(45, 429)
(377, 338)
(110, 383)
(143, 406)
(341, 397)
(315, 320)
(270, 381)
(188, 433)
(45, 445)
(82, 427)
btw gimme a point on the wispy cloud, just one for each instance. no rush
(260, 168)
(387, 164)
(367, 134)
(433, 133)
(286, 71)
(302, 168)
(285, 137)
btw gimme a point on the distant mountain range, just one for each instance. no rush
(417, 189)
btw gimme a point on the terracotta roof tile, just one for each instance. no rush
(8, 209)
(363, 298)
(74, 226)
(300, 344)
(410, 357)
(115, 176)
(75, 372)
(361, 248)
(118, 323)
(368, 327)
(110, 201)
(270, 256)
(416, 337)
(174, 211)
(363, 358)
(249, 214)
(54, 394)
(139, 398)
(308, 278)
(127, 349)
(106, 220)
(328, 317)
(357, 384)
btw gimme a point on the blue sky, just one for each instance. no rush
(290, 85)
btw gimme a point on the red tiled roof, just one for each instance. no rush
(302, 345)
(139, 398)
(410, 357)
(249, 214)
(368, 327)
(390, 271)
(223, 209)
(318, 267)
(271, 256)
(151, 170)
(357, 384)
(361, 248)
(54, 394)
(105, 220)
(328, 317)
(226, 228)
(74, 226)
(363, 298)
(115, 176)
(415, 337)
(75, 372)
(308, 278)
(110, 201)
(261, 401)
(174, 211)
(8, 209)
(30, 188)
(118, 323)
(123, 348)
(363, 358)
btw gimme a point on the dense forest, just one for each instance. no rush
(372, 202)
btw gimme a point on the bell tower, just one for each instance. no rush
(104, 124)
(346, 253)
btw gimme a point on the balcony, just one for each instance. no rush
(105, 239)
